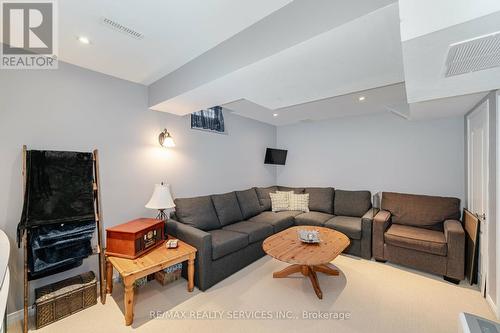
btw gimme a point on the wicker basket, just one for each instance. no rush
(169, 274)
(61, 299)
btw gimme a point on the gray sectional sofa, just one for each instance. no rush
(228, 229)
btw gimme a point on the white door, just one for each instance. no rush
(477, 145)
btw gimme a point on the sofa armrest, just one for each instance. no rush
(381, 222)
(455, 238)
(369, 215)
(200, 239)
(366, 234)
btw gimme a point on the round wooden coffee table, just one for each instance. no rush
(306, 258)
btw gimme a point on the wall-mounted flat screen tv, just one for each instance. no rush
(275, 156)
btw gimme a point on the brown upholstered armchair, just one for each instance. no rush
(421, 231)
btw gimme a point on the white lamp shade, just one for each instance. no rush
(161, 198)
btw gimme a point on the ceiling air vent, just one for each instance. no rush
(473, 55)
(121, 28)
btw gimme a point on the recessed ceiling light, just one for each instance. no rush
(83, 40)
(361, 98)
(275, 114)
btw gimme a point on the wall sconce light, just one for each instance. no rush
(166, 139)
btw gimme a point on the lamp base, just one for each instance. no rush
(162, 215)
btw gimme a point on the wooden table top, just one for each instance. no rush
(286, 246)
(160, 256)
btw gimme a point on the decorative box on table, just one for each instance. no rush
(135, 238)
(61, 299)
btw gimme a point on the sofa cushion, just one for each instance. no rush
(312, 218)
(255, 231)
(297, 190)
(415, 238)
(225, 242)
(264, 198)
(420, 210)
(351, 203)
(227, 208)
(320, 199)
(279, 220)
(198, 212)
(249, 203)
(348, 225)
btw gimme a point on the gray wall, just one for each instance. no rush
(379, 152)
(76, 109)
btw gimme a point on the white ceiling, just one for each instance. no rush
(422, 17)
(445, 107)
(175, 32)
(425, 56)
(293, 24)
(390, 98)
(376, 100)
(323, 76)
(362, 54)
(302, 60)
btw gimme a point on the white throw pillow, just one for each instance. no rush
(299, 202)
(279, 201)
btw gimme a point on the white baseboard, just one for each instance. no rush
(18, 315)
(492, 306)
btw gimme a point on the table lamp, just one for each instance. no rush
(161, 200)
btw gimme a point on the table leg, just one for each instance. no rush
(314, 280)
(191, 274)
(326, 269)
(287, 271)
(129, 301)
(109, 277)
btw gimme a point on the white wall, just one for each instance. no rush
(379, 152)
(76, 109)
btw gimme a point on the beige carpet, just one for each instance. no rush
(377, 297)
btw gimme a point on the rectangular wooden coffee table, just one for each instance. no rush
(154, 261)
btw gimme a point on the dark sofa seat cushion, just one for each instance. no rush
(227, 208)
(415, 238)
(320, 199)
(263, 195)
(198, 212)
(225, 242)
(420, 210)
(312, 218)
(278, 220)
(296, 190)
(249, 203)
(255, 231)
(349, 226)
(351, 203)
